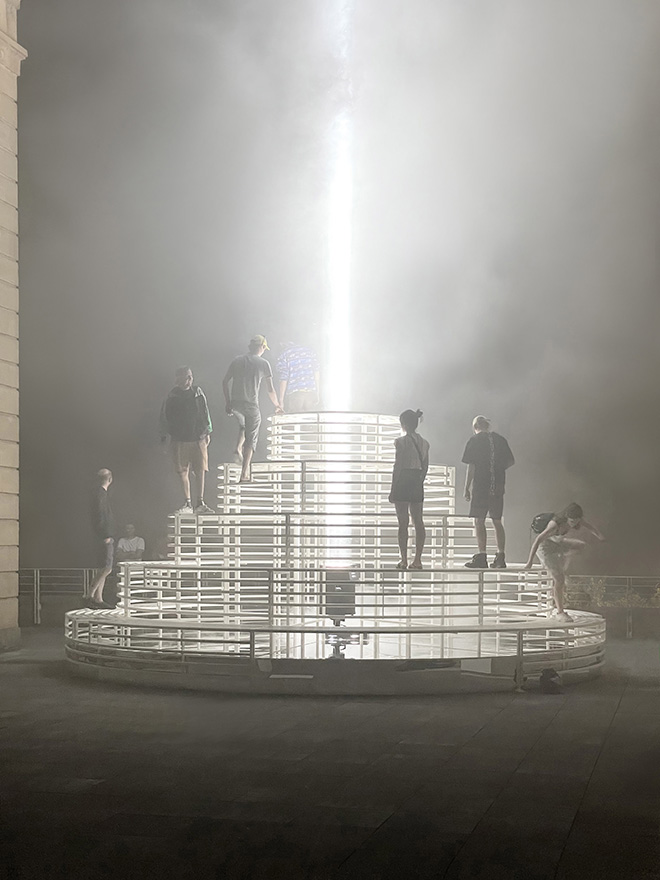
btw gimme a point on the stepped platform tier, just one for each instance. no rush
(292, 587)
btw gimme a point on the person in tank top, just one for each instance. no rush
(411, 464)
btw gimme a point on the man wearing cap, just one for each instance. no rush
(245, 374)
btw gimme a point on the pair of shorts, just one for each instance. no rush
(190, 454)
(300, 401)
(105, 555)
(249, 418)
(552, 553)
(408, 487)
(491, 505)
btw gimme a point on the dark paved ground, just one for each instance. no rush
(113, 782)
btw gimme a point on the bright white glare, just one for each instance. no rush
(340, 215)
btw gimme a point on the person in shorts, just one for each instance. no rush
(103, 524)
(245, 374)
(556, 546)
(411, 463)
(488, 457)
(186, 420)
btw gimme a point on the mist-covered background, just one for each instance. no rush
(174, 165)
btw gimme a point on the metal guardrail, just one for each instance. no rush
(575, 646)
(615, 591)
(584, 591)
(627, 593)
(39, 582)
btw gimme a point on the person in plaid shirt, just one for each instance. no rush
(297, 370)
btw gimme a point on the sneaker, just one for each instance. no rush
(187, 508)
(563, 617)
(479, 560)
(203, 508)
(499, 561)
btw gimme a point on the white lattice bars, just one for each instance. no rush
(323, 486)
(333, 436)
(291, 596)
(277, 539)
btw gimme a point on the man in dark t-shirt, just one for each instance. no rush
(185, 419)
(103, 524)
(487, 456)
(245, 374)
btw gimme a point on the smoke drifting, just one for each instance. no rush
(509, 227)
(173, 184)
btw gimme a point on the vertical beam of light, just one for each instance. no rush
(340, 215)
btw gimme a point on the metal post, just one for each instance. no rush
(271, 597)
(518, 678)
(303, 487)
(480, 597)
(37, 596)
(629, 611)
(127, 586)
(287, 539)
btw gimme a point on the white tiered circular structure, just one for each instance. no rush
(293, 588)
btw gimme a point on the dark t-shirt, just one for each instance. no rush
(491, 456)
(246, 373)
(103, 521)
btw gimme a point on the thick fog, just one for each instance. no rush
(174, 165)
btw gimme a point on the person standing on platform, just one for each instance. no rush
(103, 523)
(411, 463)
(299, 378)
(488, 457)
(245, 374)
(185, 418)
(556, 547)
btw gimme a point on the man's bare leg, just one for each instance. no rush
(499, 535)
(480, 528)
(96, 590)
(199, 485)
(185, 483)
(240, 443)
(246, 472)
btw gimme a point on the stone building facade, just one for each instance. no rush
(11, 55)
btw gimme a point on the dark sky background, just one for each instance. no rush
(174, 165)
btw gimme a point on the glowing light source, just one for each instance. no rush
(340, 210)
